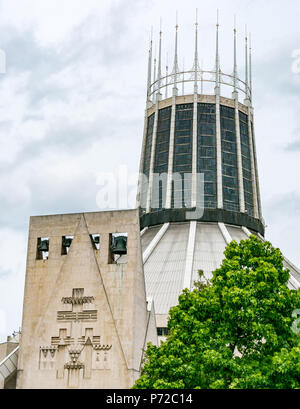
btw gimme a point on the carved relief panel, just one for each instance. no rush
(74, 356)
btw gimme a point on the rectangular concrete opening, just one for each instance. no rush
(117, 247)
(95, 239)
(42, 252)
(66, 243)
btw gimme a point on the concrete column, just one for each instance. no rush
(239, 153)
(153, 150)
(190, 257)
(144, 231)
(171, 151)
(252, 158)
(256, 167)
(138, 198)
(219, 151)
(149, 250)
(246, 231)
(195, 148)
(225, 233)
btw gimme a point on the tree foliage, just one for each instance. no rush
(235, 333)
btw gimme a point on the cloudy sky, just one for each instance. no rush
(72, 105)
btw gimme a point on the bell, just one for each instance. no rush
(119, 245)
(67, 242)
(96, 239)
(44, 246)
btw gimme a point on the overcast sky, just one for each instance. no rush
(73, 97)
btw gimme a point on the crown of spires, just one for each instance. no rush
(197, 74)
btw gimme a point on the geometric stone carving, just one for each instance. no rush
(74, 363)
(102, 347)
(62, 341)
(47, 357)
(66, 350)
(78, 298)
(95, 340)
(70, 316)
(101, 359)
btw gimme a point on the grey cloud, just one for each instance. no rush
(287, 205)
(293, 147)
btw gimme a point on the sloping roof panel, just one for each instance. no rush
(164, 270)
(165, 267)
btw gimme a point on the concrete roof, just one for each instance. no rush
(167, 265)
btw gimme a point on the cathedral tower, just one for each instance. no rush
(199, 180)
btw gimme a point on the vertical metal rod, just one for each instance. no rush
(195, 121)
(235, 96)
(218, 124)
(172, 128)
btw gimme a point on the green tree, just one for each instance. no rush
(235, 333)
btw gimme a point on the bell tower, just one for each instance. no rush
(86, 318)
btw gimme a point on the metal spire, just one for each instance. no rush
(217, 53)
(154, 68)
(235, 73)
(159, 60)
(196, 67)
(246, 65)
(183, 77)
(167, 73)
(250, 67)
(202, 65)
(176, 68)
(149, 67)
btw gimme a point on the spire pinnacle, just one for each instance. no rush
(183, 77)
(176, 68)
(154, 68)
(217, 53)
(196, 62)
(150, 66)
(159, 72)
(167, 73)
(246, 64)
(202, 65)
(235, 74)
(250, 66)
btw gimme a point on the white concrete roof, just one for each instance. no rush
(168, 248)
(9, 365)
